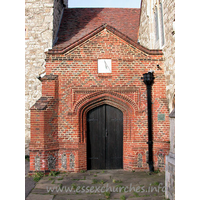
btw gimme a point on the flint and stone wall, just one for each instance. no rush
(169, 50)
(147, 39)
(170, 162)
(42, 19)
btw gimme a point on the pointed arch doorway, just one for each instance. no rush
(105, 138)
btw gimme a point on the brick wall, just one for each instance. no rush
(80, 88)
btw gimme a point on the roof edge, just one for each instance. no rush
(41, 103)
(56, 50)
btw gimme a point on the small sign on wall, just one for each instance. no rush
(104, 66)
(161, 117)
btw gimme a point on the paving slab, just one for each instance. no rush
(80, 197)
(39, 191)
(29, 182)
(27, 165)
(147, 198)
(45, 185)
(29, 185)
(94, 183)
(39, 197)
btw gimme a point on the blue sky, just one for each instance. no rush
(104, 3)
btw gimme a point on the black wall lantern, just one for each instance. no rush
(148, 80)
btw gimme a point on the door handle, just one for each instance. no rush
(106, 133)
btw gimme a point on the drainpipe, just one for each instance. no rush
(148, 80)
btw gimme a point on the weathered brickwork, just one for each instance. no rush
(147, 39)
(42, 20)
(72, 87)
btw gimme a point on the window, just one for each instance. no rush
(156, 23)
(159, 25)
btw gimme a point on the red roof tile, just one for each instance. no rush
(97, 30)
(79, 22)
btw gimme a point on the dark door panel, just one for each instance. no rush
(96, 138)
(105, 138)
(114, 139)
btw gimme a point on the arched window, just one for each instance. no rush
(162, 39)
(159, 25)
(156, 24)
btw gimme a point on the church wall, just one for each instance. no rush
(169, 50)
(147, 39)
(144, 30)
(80, 87)
(41, 25)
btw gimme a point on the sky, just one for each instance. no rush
(104, 3)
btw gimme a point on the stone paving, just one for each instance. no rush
(93, 184)
(30, 183)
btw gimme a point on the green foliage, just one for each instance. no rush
(53, 173)
(156, 183)
(74, 186)
(94, 181)
(117, 186)
(107, 195)
(102, 181)
(37, 176)
(136, 194)
(27, 158)
(156, 171)
(117, 181)
(123, 197)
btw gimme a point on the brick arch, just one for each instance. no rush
(123, 103)
(102, 95)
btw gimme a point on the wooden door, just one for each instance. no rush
(105, 138)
